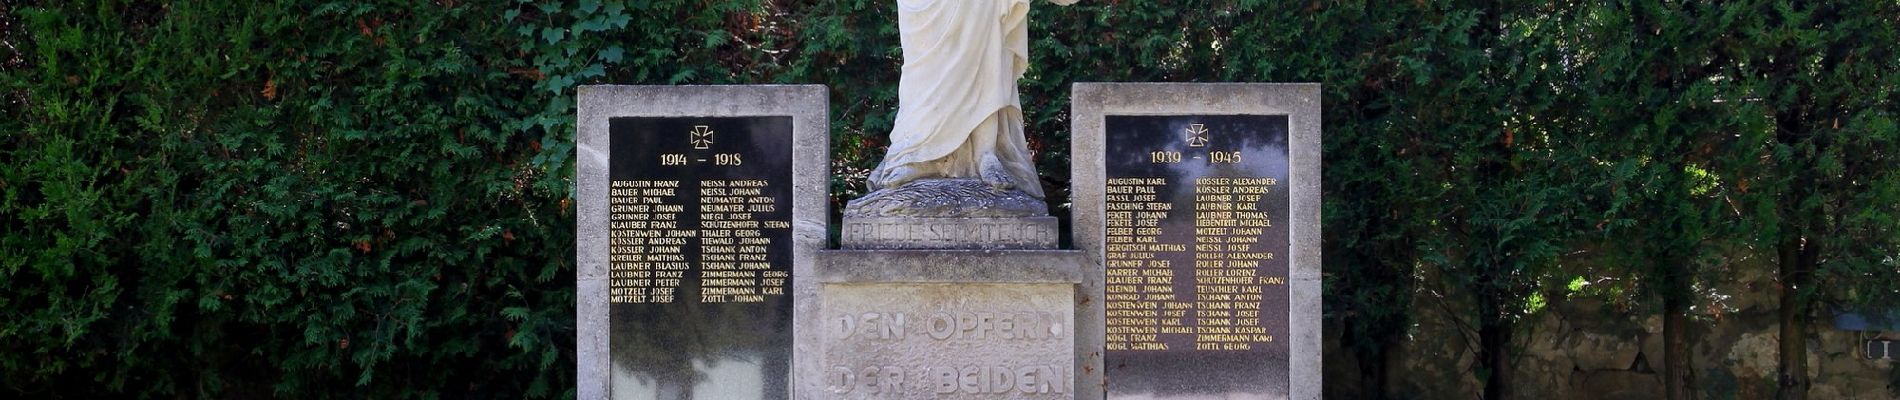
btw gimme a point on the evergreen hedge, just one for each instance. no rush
(280, 199)
(297, 198)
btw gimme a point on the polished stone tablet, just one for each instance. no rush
(700, 256)
(1196, 272)
(693, 228)
(1200, 201)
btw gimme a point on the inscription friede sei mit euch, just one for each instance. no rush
(1195, 280)
(969, 231)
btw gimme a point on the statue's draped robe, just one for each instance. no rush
(957, 100)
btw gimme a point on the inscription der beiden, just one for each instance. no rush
(975, 327)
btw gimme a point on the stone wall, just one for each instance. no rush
(1584, 347)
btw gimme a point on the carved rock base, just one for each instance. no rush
(959, 198)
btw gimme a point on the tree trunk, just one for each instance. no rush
(1494, 355)
(1375, 365)
(1389, 362)
(1677, 270)
(1678, 374)
(1378, 359)
(1797, 253)
(1371, 372)
(1797, 266)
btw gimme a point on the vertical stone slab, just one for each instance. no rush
(1201, 202)
(694, 231)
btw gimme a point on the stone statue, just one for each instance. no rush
(958, 117)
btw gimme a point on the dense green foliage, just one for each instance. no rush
(280, 199)
(371, 199)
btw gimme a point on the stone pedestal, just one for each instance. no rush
(944, 289)
(934, 324)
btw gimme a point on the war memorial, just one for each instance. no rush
(707, 268)
(950, 199)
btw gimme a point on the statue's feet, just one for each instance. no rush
(993, 173)
(896, 176)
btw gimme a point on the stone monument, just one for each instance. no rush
(699, 208)
(949, 283)
(704, 272)
(1201, 204)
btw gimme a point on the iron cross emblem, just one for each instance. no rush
(701, 137)
(1197, 135)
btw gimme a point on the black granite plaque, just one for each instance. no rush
(700, 248)
(1197, 248)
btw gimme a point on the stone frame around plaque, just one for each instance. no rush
(807, 105)
(1300, 102)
